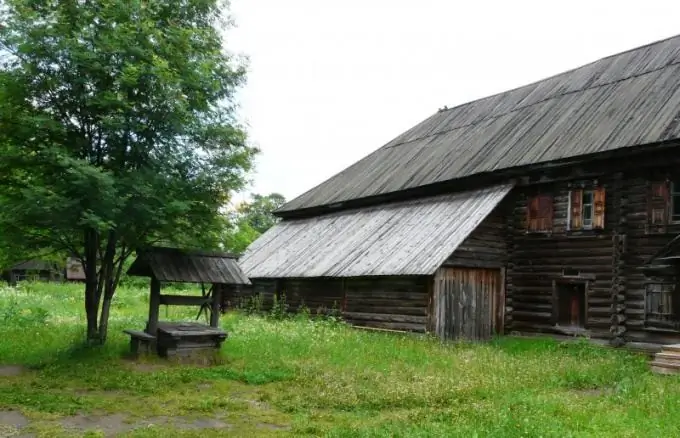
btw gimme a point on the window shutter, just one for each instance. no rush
(659, 202)
(598, 206)
(545, 213)
(576, 222)
(532, 214)
(540, 213)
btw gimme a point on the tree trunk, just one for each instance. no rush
(91, 284)
(100, 283)
(104, 319)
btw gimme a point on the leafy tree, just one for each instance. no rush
(258, 212)
(250, 219)
(116, 131)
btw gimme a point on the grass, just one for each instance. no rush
(301, 377)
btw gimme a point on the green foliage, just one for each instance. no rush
(258, 212)
(251, 305)
(250, 219)
(116, 129)
(279, 309)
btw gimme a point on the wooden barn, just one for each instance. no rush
(536, 210)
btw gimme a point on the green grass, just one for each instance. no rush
(320, 378)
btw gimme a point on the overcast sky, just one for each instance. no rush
(331, 81)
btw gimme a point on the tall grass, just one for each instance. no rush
(325, 379)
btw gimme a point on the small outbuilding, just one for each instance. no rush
(166, 265)
(74, 272)
(32, 270)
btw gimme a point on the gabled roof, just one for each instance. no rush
(403, 238)
(624, 100)
(188, 266)
(34, 265)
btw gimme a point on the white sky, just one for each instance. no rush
(331, 81)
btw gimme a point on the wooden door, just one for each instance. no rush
(467, 303)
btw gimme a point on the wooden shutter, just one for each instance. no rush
(659, 203)
(598, 208)
(545, 213)
(575, 210)
(540, 213)
(532, 214)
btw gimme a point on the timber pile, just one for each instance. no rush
(667, 361)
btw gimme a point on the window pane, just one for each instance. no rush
(587, 197)
(676, 206)
(675, 187)
(587, 209)
(587, 215)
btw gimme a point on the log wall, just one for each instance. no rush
(643, 242)
(538, 260)
(394, 303)
(486, 247)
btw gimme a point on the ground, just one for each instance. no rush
(303, 377)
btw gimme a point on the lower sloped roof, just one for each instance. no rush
(405, 238)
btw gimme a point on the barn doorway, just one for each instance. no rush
(467, 303)
(570, 304)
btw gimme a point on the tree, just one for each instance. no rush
(250, 219)
(117, 130)
(258, 212)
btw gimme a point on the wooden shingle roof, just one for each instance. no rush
(188, 266)
(403, 238)
(628, 99)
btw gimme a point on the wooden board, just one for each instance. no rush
(468, 303)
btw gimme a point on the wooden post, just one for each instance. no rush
(215, 305)
(154, 305)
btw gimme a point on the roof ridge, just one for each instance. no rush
(580, 90)
(446, 108)
(625, 99)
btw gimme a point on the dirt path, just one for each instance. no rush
(14, 423)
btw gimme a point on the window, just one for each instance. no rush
(586, 209)
(660, 306)
(540, 214)
(663, 204)
(675, 201)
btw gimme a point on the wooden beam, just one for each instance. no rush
(215, 305)
(154, 304)
(183, 300)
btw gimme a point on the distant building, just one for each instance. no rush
(74, 270)
(32, 270)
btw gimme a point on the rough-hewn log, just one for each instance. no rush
(384, 317)
(154, 304)
(183, 300)
(401, 326)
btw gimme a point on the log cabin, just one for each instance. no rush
(536, 210)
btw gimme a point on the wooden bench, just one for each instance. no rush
(141, 342)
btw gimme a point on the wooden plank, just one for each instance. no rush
(400, 326)
(183, 300)
(154, 304)
(355, 316)
(215, 306)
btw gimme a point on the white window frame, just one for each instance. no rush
(592, 210)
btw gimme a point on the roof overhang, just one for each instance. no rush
(188, 266)
(404, 238)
